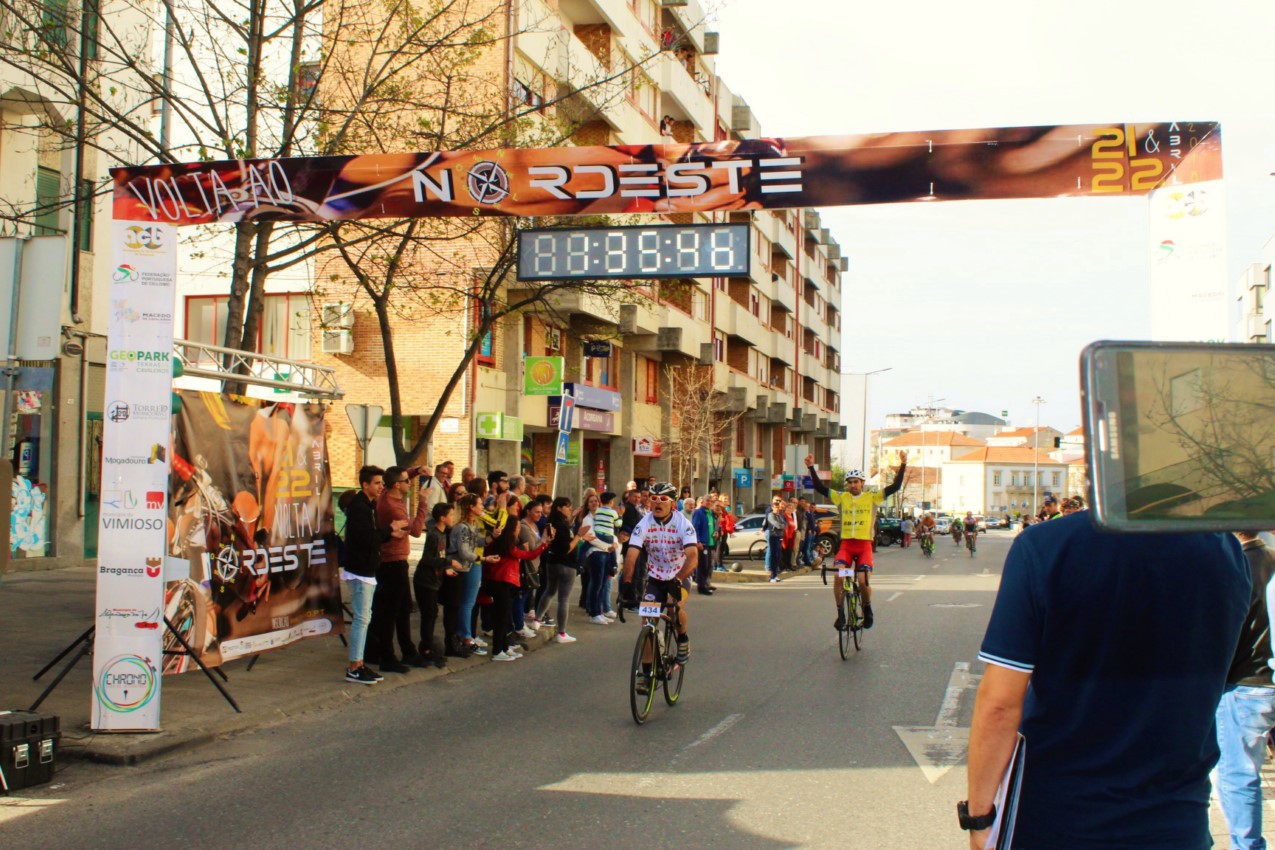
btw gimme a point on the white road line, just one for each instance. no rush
(896, 595)
(727, 722)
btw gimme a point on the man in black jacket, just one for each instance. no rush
(363, 556)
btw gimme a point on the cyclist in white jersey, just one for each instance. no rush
(672, 549)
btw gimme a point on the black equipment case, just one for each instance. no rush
(28, 742)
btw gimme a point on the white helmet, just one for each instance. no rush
(855, 473)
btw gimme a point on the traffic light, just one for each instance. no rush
(1058, 442)
(175, 400)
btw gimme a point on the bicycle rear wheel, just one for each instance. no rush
(672, 671)
(843, 634)
(641, 703)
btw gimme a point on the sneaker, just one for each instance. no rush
(841, 621)
(526, 632)
(642, 685)
(474, 649)
(504, 656)
(867, 616)
(548, 622)
(610, 615)
(416, 660)
(486, 633)
(376, 677)
(563, 637)
(356, 676)
(683, 651)
(774, 580)
(480, 642)
(600, 620)
(515, 650)
(535, 624)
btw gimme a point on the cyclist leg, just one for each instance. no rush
(844, 558)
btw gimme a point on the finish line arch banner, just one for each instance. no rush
(770, 173)
(151, 202)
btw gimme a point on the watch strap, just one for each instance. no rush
(971, 823)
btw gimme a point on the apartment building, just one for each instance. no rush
(769, 342)
(1000, 480)
(55, 232)
(1251, 319)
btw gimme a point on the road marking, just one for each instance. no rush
(955, 605)
(896, 595)
(939, 748)
(729, 721)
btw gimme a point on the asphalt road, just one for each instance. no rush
(777, 742)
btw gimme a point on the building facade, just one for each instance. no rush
(1002, 480)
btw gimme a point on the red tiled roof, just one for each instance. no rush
(934, 438)
(1020, 432)
(1004, 454)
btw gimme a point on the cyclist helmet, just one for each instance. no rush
(663, 488)
(855, 473)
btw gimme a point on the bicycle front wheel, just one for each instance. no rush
(639, 702)
(672, 672)
(844, 633)
(855, 620)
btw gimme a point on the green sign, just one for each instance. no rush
(573, 452)
(497, 426)
(542, 376)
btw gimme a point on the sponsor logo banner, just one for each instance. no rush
(821, 171)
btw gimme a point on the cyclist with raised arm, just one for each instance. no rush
(672, 548)
(858, 513)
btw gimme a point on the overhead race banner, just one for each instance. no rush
(773, 173)
(250, 528)
(127, 643)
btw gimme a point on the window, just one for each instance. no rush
(84, 217)
(486, 354)
(603, 371)
(996, 479)
(1027, 479)
(739, 439)
(528, 94)
(284, 330)
(48, 201)
(719, 347)
(652, 371)
(1013, 479)
(92, 22)
(758, 440)
(1056, 479)
(53, 19)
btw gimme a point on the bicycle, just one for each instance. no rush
(660, 645)
(851, 613)
(927, 545)
(969, 543)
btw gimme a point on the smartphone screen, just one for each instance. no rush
(1180, 436)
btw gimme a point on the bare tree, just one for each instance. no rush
(702, 418)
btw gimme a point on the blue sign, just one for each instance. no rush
(567, 408)
(597, 348)
(743, 477)
(564, 443)
(807, 483)
(594, 397)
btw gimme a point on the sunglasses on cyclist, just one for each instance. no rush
(661, 498)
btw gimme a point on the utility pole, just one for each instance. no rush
(1038, 401)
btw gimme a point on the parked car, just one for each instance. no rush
(943, 525)
(749, 537)
(889, 531)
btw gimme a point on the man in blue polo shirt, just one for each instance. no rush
(1109, 653)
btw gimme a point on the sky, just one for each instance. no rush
(987, 304)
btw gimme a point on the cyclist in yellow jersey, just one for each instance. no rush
(858, 516)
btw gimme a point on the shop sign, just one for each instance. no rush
(498, 426)
(586, 419)
(597, 348)
(646, 447)
(542, 376)
(598, 399)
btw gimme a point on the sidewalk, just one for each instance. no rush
(43, 612)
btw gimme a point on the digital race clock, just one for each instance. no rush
(655, 251)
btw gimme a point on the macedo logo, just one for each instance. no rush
(124, 314)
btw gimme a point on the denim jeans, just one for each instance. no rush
(468, 596)
(1245, 716)
(808, 549)
(774, 555)
(596, 563)
(359, 594)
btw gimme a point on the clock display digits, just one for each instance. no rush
(648, 251)
(543, 259)
(722, 255)
(615, 243)
(577, 253)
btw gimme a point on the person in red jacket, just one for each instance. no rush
(501, 579)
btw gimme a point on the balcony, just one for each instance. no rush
(688, 98)
(784, 239)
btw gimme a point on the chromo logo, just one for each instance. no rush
(126, 683)
(124, 274)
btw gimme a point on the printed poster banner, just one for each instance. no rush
(128, 641)
(768, 173)
(253, 562)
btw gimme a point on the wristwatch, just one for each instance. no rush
(974, 824)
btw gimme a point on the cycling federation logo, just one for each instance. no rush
(126, 683)
(125, 273)
(488, 183)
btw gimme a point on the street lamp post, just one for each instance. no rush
(929, 414)
(1038, 401)
(863, 451)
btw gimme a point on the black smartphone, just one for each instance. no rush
(1180, 436)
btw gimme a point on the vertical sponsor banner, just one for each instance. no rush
(252, 548)
(1187, 230)
(1188, 263)
(128, 642)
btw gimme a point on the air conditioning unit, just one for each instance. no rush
(712, 41)
(334, 316)
(338, 342)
